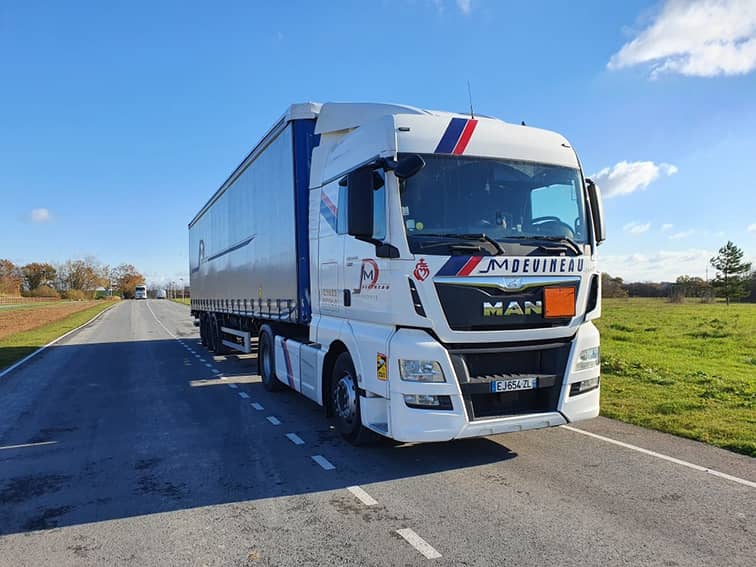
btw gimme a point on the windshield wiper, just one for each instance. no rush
(537, 240)
(484, 237)
(470, 236)
(564, 240)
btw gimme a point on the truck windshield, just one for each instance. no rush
(483, 202)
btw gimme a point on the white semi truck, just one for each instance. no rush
(422, 275)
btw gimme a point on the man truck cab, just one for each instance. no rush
(440, 279)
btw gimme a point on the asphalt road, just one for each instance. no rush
(120, 445)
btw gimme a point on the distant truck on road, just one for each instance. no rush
(140, 292)
(161, 294)
(422, 275)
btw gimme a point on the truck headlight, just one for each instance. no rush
(421, 371)
(588, 358)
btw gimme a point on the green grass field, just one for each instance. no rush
(185, 301)
(18, 345)
(687, 369)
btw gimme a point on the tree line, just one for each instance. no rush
(734, 281)
(72, 279)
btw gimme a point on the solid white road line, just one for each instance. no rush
(362, 496)
(296, 439)
(257, 406)
(234, 386)
(419, 543)
(12, 367)
(23, 446)
(323, 462)
(273, 420)
(160, 322)
(663, 457)
(244, 395)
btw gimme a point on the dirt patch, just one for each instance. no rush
(18, 320)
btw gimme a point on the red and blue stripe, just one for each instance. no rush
(460, 266)
(457, 136)
(328, 211)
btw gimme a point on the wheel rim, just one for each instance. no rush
(345, 399)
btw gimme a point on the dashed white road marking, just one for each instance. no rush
(25, 445)
(244, 395)
(208, 365)
(362, 496)
(273, 420)
(323, 462)
(216, 371)
(234, 386)
(257, 406)
(663, 457)
(296, 439)
(419, 543)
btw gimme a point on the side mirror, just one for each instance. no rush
(409, 166)
(360, 202)
(597, 210)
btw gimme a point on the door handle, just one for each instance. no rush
(347, 298)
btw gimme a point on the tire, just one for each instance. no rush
(266, 360)
(215, 331)
(345, 401)
(203, 329)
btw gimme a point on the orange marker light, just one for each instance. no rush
(559, 302)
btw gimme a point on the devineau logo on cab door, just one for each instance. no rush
(370, 275)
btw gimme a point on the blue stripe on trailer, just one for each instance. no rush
(304, 140)
(451, 136)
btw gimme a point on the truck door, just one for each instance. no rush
(366, 278)
(330, 253)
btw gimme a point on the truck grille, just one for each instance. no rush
(477, 368)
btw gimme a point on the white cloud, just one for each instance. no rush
(701, 38)
(636, 227)
(465, 6)
(40, 215)
(664, 265)
(627, 177)
(751, 227)
(667, 227)
(681, 234)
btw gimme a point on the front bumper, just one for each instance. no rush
(466, 418)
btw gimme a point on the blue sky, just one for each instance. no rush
(119, 119)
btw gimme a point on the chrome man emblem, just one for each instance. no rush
(497, 309)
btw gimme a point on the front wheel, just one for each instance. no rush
(345, 400)
(266, 361)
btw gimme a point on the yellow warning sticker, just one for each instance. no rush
(381, 370)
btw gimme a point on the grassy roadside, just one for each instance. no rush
(185, 301)
(18, 345)
(686, 369)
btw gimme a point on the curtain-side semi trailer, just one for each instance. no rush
(423, 275)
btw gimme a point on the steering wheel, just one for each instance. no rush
(540, 222)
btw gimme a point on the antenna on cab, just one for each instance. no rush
(469, 93)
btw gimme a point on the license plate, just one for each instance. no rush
(513, 385)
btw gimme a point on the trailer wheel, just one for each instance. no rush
(266, 360)
(203, 329)
(345, 400)
(217, 337)
(209, 335)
